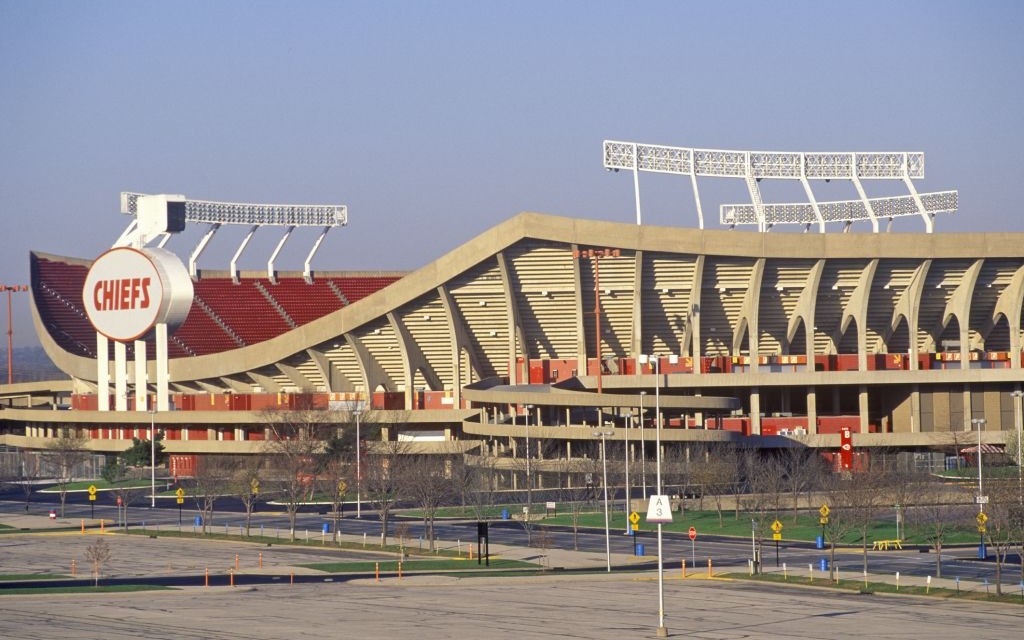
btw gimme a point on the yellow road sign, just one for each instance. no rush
(180, 500)
(776, 527)
(92, 489)
(776, 536)
(634, 527)
(981, 529)
(981, 518)
(634, 518)
(92, 496)
(822, 520)
(254, 485)
(342, 486)
(180, 493)
(824, 511)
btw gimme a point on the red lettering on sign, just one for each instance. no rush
(122, 295)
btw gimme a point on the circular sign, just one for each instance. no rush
(128, 291)
(693, 533)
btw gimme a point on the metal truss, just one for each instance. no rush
(845, 211)
(287, 215)
(217, 214)
(754, 166)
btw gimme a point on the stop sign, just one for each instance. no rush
(693, 533)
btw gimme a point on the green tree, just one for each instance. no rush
(139, 454)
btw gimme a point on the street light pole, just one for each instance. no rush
(11, 288)
(359, 475)
(662, 632)
(152, 457)
(980, 424)
(643, 446)
(604, 474)
(1020, 436)
(626, 447)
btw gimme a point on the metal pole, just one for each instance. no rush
(359, 476)
(604, 465)
(643, 446)
(662, 632)
(1020, 435)
(529, 475)
(11, 288)
(626, 446)
(152, 458)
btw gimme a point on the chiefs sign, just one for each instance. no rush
(128, 291)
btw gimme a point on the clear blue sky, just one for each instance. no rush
(434, 121)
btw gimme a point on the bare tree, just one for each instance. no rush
(297, 439)
(1003, 524)
(938, 510)
(383, 481)
(212, 480)
(840, 520)
(801, 468)
(428, 483)
(574, 492)
(244, 483)
(97, 553)
(125, 490)
(481, 484)
(29, 471)
(864, 498)
(335, 481)
(64, 453)
(716, 473)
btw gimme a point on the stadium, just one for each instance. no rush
(549, 327)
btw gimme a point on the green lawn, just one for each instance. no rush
(101, 485)
(882, 587)
(10, 577)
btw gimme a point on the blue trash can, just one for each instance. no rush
(640, 550)
(199, 521)
(819, 542)
(504, 514)
(327, 527)
(823, 565)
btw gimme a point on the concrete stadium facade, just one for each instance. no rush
(767, 339)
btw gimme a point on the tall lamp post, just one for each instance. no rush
(979, 424)
(1017, 395)
(11, 288)
(662, 632)
(643, 447)
(152, 456)
(359, 475)
(604, 473)
(625, 430)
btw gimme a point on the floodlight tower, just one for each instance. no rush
(11, 288)
(754, 166)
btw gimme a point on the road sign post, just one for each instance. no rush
(180, 499)
(92, 501)
(693, 551)
(777, 535)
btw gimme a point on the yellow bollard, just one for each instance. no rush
(399, 569)
(684, 568)
(376, 571)
(231, 575)
(236, 562)
(83, 526)
(261, 559)
(710, 572)
(206, 583)
(291, 578)
(101, 525)
(74, 568)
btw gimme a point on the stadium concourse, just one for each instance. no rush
(546, 327)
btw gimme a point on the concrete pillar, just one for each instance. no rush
(755, 411)
(862, 407)
(812, 410)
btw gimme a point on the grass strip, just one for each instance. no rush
(119, 588)
(869, 588)
(391, 566)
